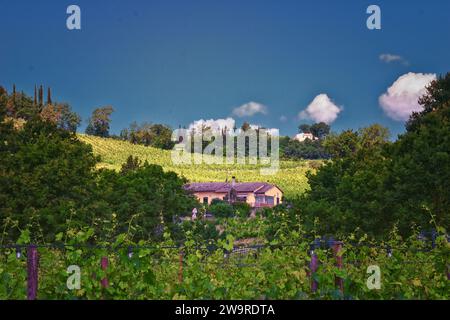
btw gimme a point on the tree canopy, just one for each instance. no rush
(100, 121)
(374, 185)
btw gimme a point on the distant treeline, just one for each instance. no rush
(21, 108)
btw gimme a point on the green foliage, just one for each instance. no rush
(21, 108)
(273, 272)
(145, 200)
(320, 130)
(294, 149)
(436, 98)
(350, 191)
(133, 163)
(341, 145)
(305, 128)
(155, 135)
(99, 122)
(46, 176)
(241, 209)
(61, 115)
(48, 181)
(221, 209)
(3, 103)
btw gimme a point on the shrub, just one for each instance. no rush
(241, 209)
(221, 209)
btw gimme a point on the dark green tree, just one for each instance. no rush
(341, 145)
(420, 168)
(3, 103)
(320, 130)
(145, 200)
(350, 192)
(132, 164)
(155, 135)
(49, 96)
(100, 121)
(305, 128)
(47, 179)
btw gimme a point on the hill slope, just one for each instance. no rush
(290, 177)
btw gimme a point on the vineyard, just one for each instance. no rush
(276, 269)
(290, 177)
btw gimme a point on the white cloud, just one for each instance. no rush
(273, 131)
(321, 109)
(250, 109)
(215, 125)
(401, 98)
(283, 118)
(270, 131)
(388, 58)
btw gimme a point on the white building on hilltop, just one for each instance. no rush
(303, 136)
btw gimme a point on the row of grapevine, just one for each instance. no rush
(410, 270)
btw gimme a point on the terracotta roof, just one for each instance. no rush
(204, 186)
(265, 188)
(224, 187)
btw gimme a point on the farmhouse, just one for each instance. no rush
(303, 136)
(256, 194)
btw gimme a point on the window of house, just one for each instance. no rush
(269, 200)
(259, 199)
(205, 200)
(242, 199)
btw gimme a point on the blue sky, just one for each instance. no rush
(175, 62)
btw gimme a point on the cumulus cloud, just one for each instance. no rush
(216, 125)
(388, 58)
(321, 109)
(401, 98)
(249, 109)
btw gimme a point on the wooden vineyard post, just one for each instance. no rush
(313, 265)
(104, 264)
(32, 272)
(180, 268)
(337, 247)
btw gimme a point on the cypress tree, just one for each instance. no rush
(49, 96)
(35, 95)
(41, 95)
(13, 99)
